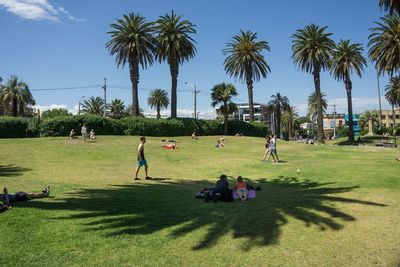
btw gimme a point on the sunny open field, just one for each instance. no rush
(343, 209)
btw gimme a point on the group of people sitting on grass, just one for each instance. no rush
(85, 136)
(222, 192)
(7, 198)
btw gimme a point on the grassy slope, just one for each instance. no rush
(343, 209)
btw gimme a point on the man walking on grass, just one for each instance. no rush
(141, 159)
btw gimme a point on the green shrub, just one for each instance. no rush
(11, 127)
(342, 131)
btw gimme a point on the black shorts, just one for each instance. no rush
(21, 196)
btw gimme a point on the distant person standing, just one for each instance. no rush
(272, 148)
(84, 132)
(141, 159)
(267, 152)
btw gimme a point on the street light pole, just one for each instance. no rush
(334, 119)
(79, 105)
(380, 103)
(105, 101)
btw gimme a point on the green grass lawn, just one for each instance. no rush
(343, 209)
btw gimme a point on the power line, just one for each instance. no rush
(65, 88)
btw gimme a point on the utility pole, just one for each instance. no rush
(334, 119)
(380, 103)
(105, 100)
(195, 92)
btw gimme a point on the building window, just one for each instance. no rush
(383, 117)
(340, 123)
(325, 124)
(332, 124)
(397, 116)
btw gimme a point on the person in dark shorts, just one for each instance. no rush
(141, 159)
(7, 198)
(221, 190)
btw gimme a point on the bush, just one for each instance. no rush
(342, 131)
(11, 127)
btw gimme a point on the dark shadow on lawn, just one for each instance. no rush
(145, 208)
(11, 170)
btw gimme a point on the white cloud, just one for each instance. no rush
(36, 10)
(49, 107)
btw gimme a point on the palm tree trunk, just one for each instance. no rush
(249, 82)
(350, 109)
(174, 69)
(158, 112)
(14, 107)
(134, 73)
(393, 116)
(278, 121)
(320, 128)
(225, 118)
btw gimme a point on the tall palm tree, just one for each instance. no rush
(117, 108)
(94, 105)
(384, 45)
(244, 60)
(222, 94)
(15, 96)
(279, 103)
(312, 103)
(392, 95)
(289, 118)
(158, 99)
(370, 117)
(393, 6)
(347, 58)
(174, 45)
(132, 42)
(312, 50)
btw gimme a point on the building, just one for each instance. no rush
(356, 127)
(387, 118)
(330, 121)
(261, 113)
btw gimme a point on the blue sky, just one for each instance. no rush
(53, 44)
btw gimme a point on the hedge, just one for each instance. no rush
(61, 126)
(13, 127)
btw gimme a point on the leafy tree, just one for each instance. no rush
(174, 45)
(384, 45)
(244, 60)
(94, 105)
(56, 112)
(312, 103)
(132, 42)
(117, 108)
(158, 99)
(347, 58)
(278, 103)
(222, 94)
(392, 95)
(393, 6)
(15, 96)
(312, 50)
(290, 119)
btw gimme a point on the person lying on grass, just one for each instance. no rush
(7, 198)
(219, 144)
(241, 188)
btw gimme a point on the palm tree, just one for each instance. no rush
(94, 105)
(312, 50)
(278, 103)
(371, 117)
(392, 95)
(117, 108)
(132, 42)
(174, 45)
(158, 99)
(312, 103)
(245, 61)
(347, 58)
(15, 96)
(222, 94)
(384, 48)
(289, 118)
(393, 6)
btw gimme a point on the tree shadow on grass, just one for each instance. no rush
(145, 208)
(11, 170)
